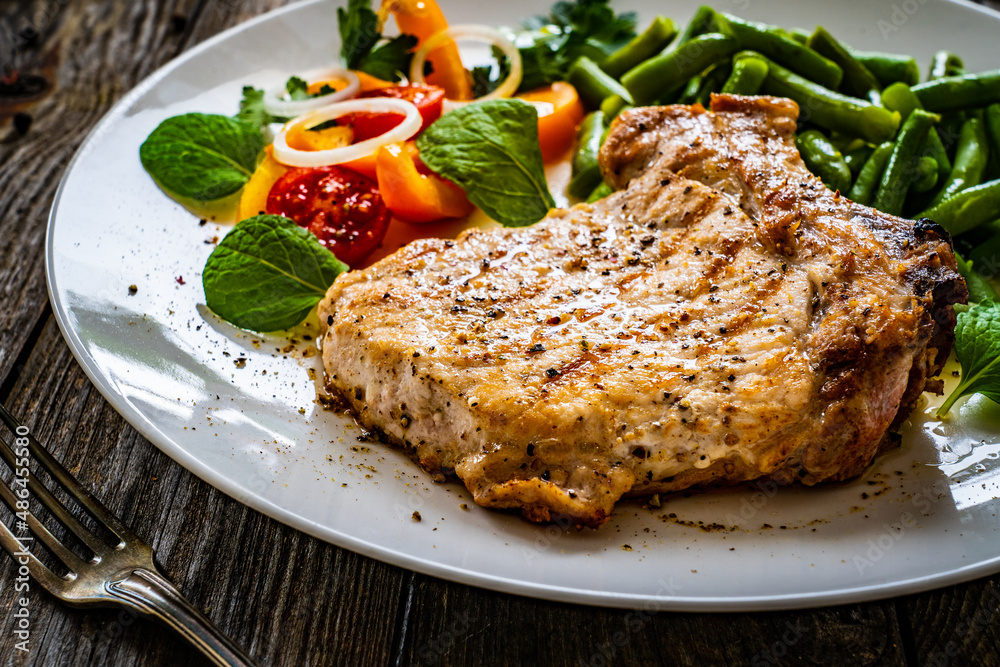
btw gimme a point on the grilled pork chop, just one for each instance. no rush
(722, 317)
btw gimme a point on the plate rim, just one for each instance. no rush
(652, 603)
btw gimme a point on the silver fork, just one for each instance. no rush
(124, 574)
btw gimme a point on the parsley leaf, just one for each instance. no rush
(360, 35)
(297, 89)
(252, 109)
(267, 274)
(979, 288)
(490, 150)
(572, 29)
(387, 60)
(359, 31)
(486, 78)
(977, 346)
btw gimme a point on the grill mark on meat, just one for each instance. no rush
(740, 321)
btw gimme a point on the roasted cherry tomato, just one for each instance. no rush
(341, 207)
(428, 100)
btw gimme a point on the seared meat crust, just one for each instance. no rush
(720, 318)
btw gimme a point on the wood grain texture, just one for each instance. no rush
(288, 598)
(92, 53)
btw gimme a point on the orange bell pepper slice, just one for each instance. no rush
(423, 18)
(560, 113)
(411, 192)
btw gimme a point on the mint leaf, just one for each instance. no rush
(388, 60)
(203, 157)
(490, 150)
(977, 346)
(267, 274)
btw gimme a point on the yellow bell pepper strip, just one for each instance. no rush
(560, 113)
(422, 19)
(411, 192)
(253, 201)
(369, 82)
(304, 139)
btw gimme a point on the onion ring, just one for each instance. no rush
(275, 105)
(481, 33)
(293, 157)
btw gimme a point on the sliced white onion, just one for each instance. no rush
(293, 157)
(480, 33)
(276, 104)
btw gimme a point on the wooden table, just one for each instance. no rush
(288, 598)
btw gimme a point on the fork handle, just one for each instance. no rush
(152, 594)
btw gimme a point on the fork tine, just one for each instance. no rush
(94, 543)
(53, 583)
(68, 558)
(68, 482)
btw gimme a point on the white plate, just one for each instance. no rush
(924, 516)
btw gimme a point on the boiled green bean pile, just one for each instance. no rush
(868, 126)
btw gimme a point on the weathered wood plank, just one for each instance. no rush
(451, 624)
(92, 53)
(289, 598)
(959, 625)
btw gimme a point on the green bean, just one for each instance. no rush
(661, 74)
(900, 171)
(857, 157)
(690, 92)
(960, 92)
(774, 43)
(612, 106)
(712, 82)
(824, 160)
(749, 72)
(858, 80)
(925, 175)
(900, 97)
(987, 253)
(968, 209)
(945, 63)
(889, 68)
(845, 143)
(832, 110)
(799, 35)
(600, 192)
(970, 161)
(653, 39)
(871, 174)
(593, 84)
(993, 131)
(702, 22)
(586, 172)
(934, 147)
(979, 288)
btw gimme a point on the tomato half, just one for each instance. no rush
(341, 207)
(429, 101)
